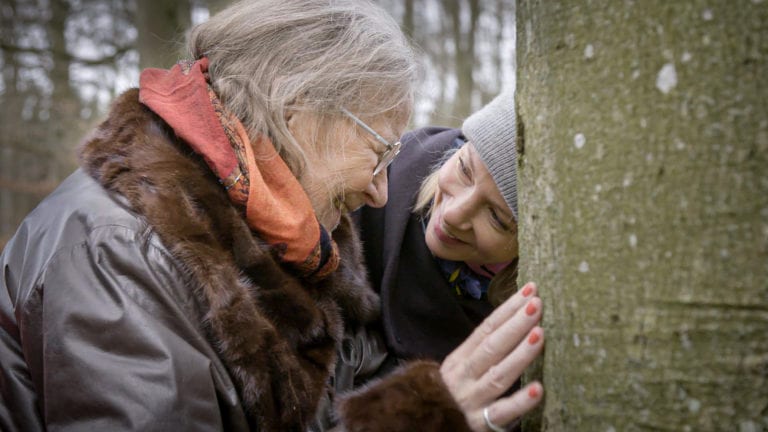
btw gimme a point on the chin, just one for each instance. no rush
(435, 247)
(331, 221)
(333, 227)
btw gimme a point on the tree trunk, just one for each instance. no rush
(464, 58)
(162, 24)
(644, 211)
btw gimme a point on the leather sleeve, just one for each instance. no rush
(112, 344)
(412, 398)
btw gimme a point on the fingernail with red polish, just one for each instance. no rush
(533, 338)
(533, 392)
(527, 290)
(530, 309)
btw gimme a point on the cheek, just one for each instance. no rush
(446, 181)
(500, 248)
(356, 173)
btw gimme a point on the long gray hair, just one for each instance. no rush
(270, 56)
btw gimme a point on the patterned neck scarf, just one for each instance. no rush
(464, 281)
(256, 178)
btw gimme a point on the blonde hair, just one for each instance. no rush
(267, 57)
(426, 194)
(428, 188)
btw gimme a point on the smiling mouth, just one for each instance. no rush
(444, 236)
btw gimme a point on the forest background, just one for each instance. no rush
(63, 61)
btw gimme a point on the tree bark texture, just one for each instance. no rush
(643, 181)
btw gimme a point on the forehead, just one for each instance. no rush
(390, 124)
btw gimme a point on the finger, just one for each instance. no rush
(506, 410)
(501, 376)
(499, 316)
(503, 340)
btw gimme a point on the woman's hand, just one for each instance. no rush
(492, 358)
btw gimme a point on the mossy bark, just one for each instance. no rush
(643, 182)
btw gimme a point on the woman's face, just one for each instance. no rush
(470, 220)
(340, 179)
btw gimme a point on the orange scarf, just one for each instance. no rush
(258, 181)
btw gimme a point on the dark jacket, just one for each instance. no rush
(136, 298)
(422, 315)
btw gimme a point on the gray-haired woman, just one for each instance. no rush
(198, 271)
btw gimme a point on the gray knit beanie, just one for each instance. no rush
(492, 130)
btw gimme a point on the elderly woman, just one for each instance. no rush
(198, 271)
(443, 252)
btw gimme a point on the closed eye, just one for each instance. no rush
(464, 169)
(497, 220)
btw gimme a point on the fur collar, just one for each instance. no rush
(277, 336)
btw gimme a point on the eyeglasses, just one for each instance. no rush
(385, 158)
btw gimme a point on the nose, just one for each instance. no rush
(458, 211)
(376, 194)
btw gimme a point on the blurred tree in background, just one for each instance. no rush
(63, 61)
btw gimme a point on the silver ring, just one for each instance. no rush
(491, 425)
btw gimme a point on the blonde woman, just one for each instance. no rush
(443, 253)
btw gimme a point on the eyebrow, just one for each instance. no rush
(383, 141)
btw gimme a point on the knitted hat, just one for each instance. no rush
(492, 130)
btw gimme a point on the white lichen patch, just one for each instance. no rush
(685, 341)
(749, 426)
(549, 195)
(576, 340)
(694, 405)
(707, 15)
(579, 140)
(679, 144)
(598, 189)
(686, 57)
(666, 79)
(627, 180)
(589, 52)
(632, 241)
(584, 267)
(528, 35)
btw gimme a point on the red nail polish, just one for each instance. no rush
(533, 338)
(527, 291)
(530, 309)
(533, 392)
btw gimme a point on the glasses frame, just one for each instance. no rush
(386, 158)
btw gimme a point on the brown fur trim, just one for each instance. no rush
(276, 335)
(413, 398)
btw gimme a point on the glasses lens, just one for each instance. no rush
(386, 158)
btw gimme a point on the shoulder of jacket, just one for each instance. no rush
(430, 136)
